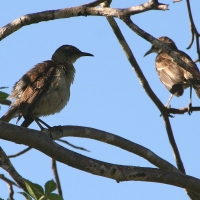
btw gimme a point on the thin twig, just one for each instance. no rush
(197, 60)
(3, 88)
(8, 180)
(10, 185)
(57, 179)
(193, 29)
(76, 147)
(20, 153)
(7, 165)
(43, 143)
(182, 110)
(11, 193)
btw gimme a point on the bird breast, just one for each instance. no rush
(56, 96)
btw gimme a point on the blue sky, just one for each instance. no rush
(106, 95)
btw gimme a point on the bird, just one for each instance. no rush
(45, 89)
(174, 77)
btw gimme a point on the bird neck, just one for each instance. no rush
(69, 71)
(61, 58)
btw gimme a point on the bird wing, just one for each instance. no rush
(189, 77)
(186, 58)
(39, 79)
(168, 71)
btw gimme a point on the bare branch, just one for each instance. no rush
(57, 179)
(29, 148)
(10, 185)
(8, 180)
(147, 88)
(135, 65)
(141, 77)
(7, 165)
(76, 147)
(20, 153)
(85, 132)
(83, 10)
(193, 29)
(182, 110)
(42, 142)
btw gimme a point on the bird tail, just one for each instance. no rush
(197, 90)
(11, 113)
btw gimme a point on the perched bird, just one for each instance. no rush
(45, 89)
(174, 77)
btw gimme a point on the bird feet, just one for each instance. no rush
(190, 108)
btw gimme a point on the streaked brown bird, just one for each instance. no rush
(174, 77)
(45, 89)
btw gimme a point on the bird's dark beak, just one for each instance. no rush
(148, 52)
(87, 54)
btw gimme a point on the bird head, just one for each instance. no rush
(68, 53)
(167, 41)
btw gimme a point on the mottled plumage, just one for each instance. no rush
(174, 77)
(45, 89)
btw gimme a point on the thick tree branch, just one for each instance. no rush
(42, 142)
(85, 132)
(83, 10)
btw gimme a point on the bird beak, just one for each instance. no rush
(148, 52)
(86, 54)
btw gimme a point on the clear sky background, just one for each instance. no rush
(106, 95)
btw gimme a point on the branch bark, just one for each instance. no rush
(42, 142)
(83, 10)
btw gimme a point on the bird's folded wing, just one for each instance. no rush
(169, 72)
(41, 77)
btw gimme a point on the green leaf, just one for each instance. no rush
(25, 195)
(42, 197)
(35, 190)
(50, 186)
(3, 96)
(53, 196)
